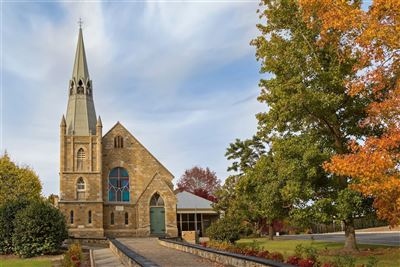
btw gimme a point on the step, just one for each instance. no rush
(104, 257)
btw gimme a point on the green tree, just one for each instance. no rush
(17, 182)
(306, 96)
(260, 192)
(226, 195)
(244, 154)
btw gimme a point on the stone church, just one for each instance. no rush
(110, 185)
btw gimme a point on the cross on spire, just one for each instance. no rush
(80, 22)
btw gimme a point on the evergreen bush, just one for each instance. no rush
(8, 212)
(38, 229)
(225, 229)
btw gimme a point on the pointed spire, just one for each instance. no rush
(81, 114)
(80, 70)
(99, 123)
(63, 122)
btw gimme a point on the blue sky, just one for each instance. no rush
(181, 76)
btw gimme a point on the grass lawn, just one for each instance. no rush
(387, 256)
(12, 261)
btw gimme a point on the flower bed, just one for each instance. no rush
(305, 256)
(247, 251)
(73, 257)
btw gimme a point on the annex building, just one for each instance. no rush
(110, 185)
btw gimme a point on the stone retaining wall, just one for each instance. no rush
(128, 256)
(223, 257)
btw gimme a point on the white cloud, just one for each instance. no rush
(142, 58)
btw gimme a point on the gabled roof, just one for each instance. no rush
(120, 124)
(186, 200)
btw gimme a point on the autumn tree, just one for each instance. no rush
(17, 182)
(307, 98)
(201, 182)
(373, 162)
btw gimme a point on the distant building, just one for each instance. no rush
(110, 185)
(194, 213)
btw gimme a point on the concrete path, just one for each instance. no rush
(163, 256)
(104, 257)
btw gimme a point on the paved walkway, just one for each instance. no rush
(104, 257)
(163, 256)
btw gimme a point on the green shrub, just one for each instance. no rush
(344, 261)
(372, 262)
(73, 257)
(225, 229)
(307, 252)
(8, 212)
(38, 229)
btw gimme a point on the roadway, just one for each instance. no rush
(384, 238)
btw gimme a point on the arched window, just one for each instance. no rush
(156, 201)
(118, 142)
(80, 87)
(71, 217)
(80, 188)
(80, 157)
(126, 218)
(118, 185)
(112, 218)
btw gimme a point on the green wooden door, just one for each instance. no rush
(157, 220)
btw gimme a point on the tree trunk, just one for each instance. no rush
(350, 236)
(271, 231)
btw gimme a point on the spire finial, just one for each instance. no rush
(80, 22)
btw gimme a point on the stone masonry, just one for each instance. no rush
(86, 161)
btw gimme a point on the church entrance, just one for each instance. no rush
(157, 215)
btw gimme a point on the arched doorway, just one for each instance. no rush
(157, 215)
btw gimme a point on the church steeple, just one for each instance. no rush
(80, 70)
(81, 115)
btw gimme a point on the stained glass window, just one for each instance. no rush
(118, 185)
(157, 201)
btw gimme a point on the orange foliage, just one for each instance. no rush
(374, 36)
(374, 166)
